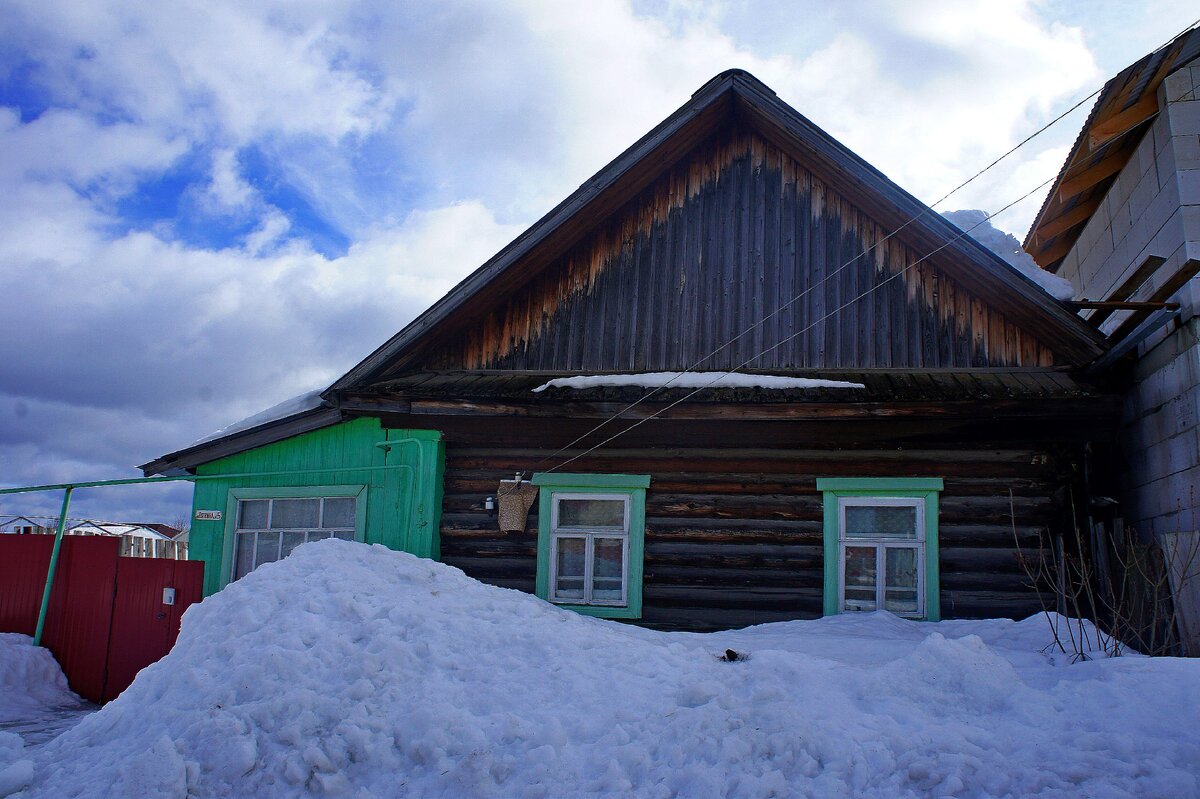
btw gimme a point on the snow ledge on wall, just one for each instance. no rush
(693, 380)
(976, 225)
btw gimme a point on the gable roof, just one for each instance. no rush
(1120, 118)
(736, 95)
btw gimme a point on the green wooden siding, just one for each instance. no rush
(403, 505)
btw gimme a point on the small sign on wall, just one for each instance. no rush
(208, 515)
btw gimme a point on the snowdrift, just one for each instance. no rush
(31, 685)
(350, 670)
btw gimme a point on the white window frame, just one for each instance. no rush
(881, 546)
(256, 531)
(589, 534)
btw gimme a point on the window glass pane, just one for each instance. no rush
(900, 586)
(252, 514)
(267, 549)
(569, 564)
(591, 513)
(608, 565)
(319, 535)
(344, 535)
(291, 540)
(244, 561)
(295, 513)
(881, 521)
(339, 512)
(860, 578)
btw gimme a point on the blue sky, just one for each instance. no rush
(208, 207)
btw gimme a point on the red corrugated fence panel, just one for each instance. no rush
(23, 563)
(144, 628)
(81, 611)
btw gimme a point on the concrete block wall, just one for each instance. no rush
(1153, 208)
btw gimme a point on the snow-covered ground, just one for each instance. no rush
(351, 670)
(35, 706)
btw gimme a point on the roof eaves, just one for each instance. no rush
(276, 430)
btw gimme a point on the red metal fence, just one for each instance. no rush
(107, 619)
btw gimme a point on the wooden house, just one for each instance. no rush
(734, 236)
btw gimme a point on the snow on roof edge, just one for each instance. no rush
(977, 225)
(694, 380)
(309, 400)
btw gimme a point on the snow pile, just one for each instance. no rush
(30, 678)
(694, 380)
(1007, 247)
(351, 670)
(30, 682)
(307, 401)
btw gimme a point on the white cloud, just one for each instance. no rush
(429, 134)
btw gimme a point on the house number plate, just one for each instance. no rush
(208, 515)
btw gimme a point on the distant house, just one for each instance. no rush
(907, 408)
(1122, 222)
(154, 532)
(22, 525)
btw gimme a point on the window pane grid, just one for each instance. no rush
(882, 554)
(589, 559)
(262, 538)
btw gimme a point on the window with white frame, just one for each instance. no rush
(882, 554)
(589, 548)
(269, 529)
(591, 542)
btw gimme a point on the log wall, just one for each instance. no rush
(734, 536)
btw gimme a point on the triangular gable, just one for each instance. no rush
(1023, 324)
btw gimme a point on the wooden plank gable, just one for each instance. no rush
(737, 233)
(635, 196)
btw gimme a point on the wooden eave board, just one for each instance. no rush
(881, 385)
(1136, 83)
(243, 440)
(713, 106)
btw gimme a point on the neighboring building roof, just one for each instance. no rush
(162, 529)
(734, 94)
(1118, 121)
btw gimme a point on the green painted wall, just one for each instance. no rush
(403, 505)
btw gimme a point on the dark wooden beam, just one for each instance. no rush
(1131, 284)
(1186, 272)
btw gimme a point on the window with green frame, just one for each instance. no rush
(881, 545)
(591, 537)
(265, 524)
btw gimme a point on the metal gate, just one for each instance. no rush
(107, 617)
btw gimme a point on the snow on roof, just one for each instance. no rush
(694, 380)
(348, 669)
(307, 401)
(977, 225)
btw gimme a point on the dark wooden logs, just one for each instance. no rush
(734, 536)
